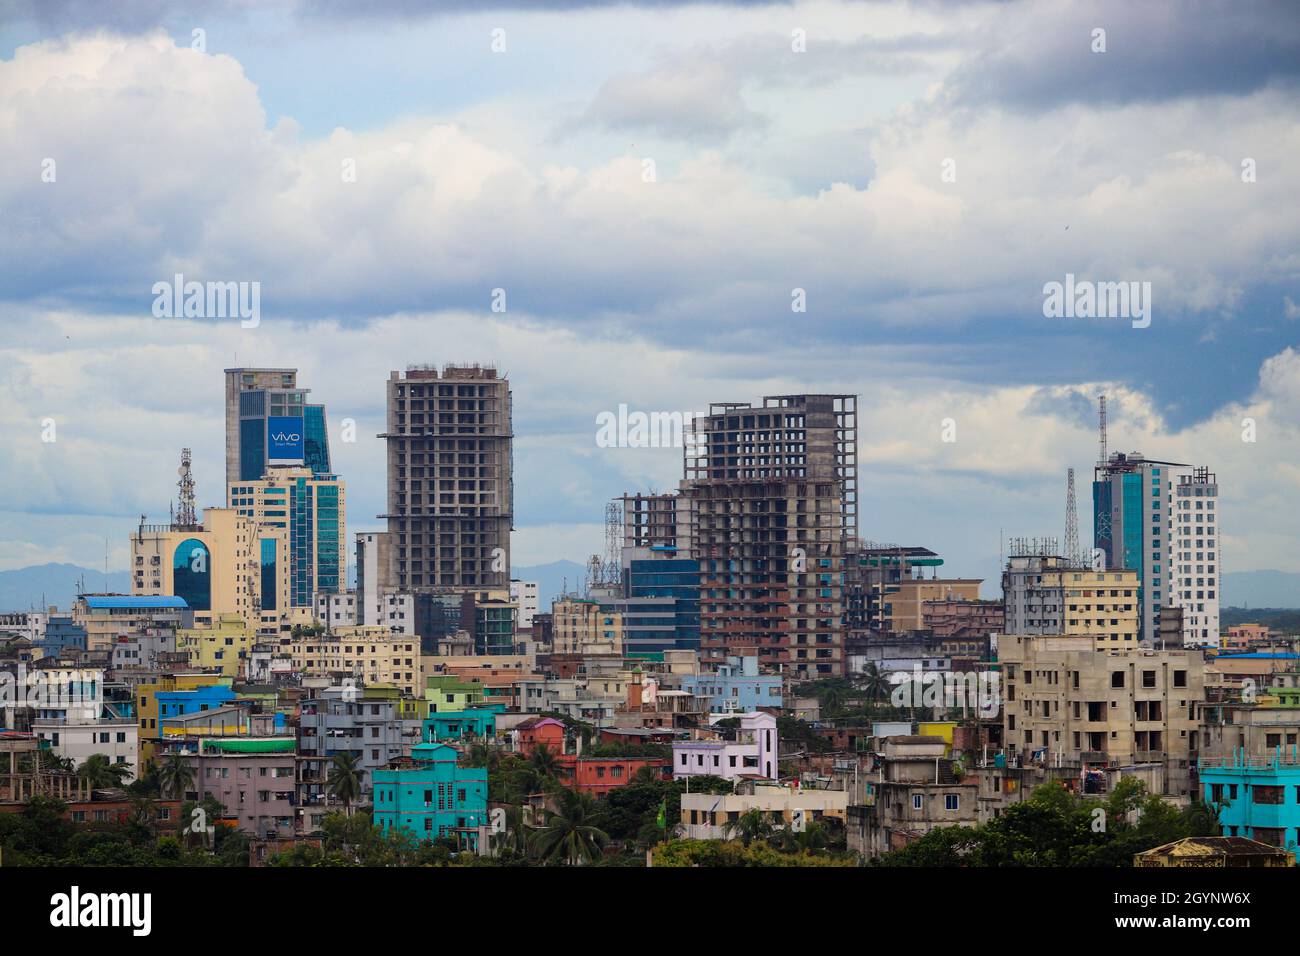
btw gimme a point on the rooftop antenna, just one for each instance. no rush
(1071, 525)
(1101, 517)
(1102, 422)
(185, 515)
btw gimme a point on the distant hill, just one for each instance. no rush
(23, 589)
(1274, 589)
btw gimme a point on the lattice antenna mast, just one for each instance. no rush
(1072, 554)
(1102, 432)
(1102, 517)
(185, 516)
(613, 543)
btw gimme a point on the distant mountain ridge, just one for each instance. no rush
(22, 589)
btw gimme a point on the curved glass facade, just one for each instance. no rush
(192, 574)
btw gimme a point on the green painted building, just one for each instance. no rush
(432, 797)
(458, 724)
(445, 692)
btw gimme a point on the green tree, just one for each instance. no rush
(748, 827)
(344, 779)
(568, 834)
(544, 761)
(175, 776)
(99, 772)
(874, 682)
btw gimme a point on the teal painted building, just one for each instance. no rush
(432, 797)
(1259, 797)
(458, 724)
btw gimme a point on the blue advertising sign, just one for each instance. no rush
(284, 439)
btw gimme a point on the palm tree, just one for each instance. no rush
(544, 761)
(567, 835)
(99, 772)
(749, 826)
(517, 837)
(344, 779)
(481, 753)
(175, 776)
(832, 701)
(874, 682)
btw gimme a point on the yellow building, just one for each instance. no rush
(150, 729)
(217, 567)
(1102, 605)
(369, 654)
(906, 598)
(224, 647)
(943, 729)
(581, 627)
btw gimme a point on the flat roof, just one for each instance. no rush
(134, 601)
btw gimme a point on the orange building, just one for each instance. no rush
(1242, 636)
(594, 775)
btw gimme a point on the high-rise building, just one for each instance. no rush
(311, 509)
(1196, 557)
(773, 502)
(450, 482)
(1135, 501)
(269, 422)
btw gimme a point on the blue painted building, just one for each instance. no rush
(1258, 797)
(179, 703)
(457, 724)
(61, 632)
(736, 686)
(433, 796)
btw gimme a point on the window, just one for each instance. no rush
(952, 801)
(916, 801)
(1262, 793)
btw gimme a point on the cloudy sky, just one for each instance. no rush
(510, 145)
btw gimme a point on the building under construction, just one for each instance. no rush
(450, 483)
(772, 493)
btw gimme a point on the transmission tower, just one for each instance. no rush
(1102, 517)
(185, 516)
(613, 544)
(1072, 554)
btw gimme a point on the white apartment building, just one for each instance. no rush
(1196, 557)
(525, 594)
(78, 740)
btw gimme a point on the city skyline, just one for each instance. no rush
(923, 293)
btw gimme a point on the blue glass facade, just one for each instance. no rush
(269, 596)
(316, 453)
(256, 407)
(662, 606)
(301, 514)
(192, 574)
(252, 449)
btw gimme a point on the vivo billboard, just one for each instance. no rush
(284, 439)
